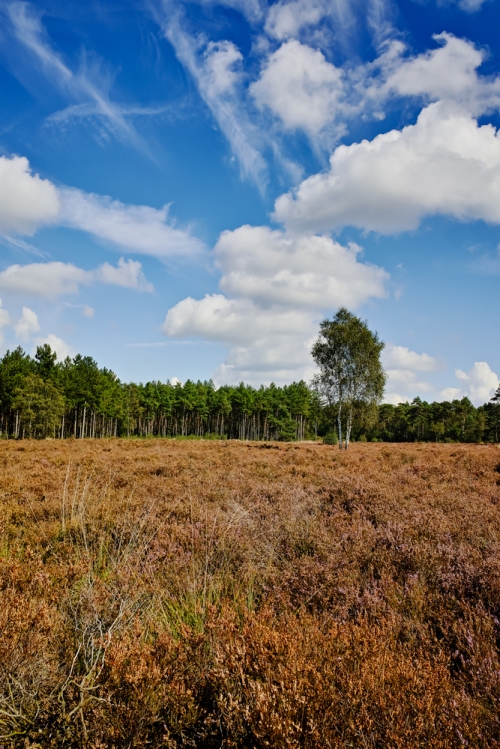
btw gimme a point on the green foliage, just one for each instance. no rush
(40, 406)
(350, 375)
(331, 438)
(40, 397)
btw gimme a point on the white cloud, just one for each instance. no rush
(271, 267)
(48, 280)
(221, 73)
(402, 358)
(4, 316)
(450, 394)
(136, 228)
(287, 19)
(407, 379)
(480, 382)
(61, 348)
(267, 344)
(88, 311)
(403, 368)
(278, 286)
(4, 320)
(299, 86)
(251, 9)
(53, 279)
(448, 73)
(214, 68)
(128, 273)
(444, 164)
(269, 360)
(27, 325)
(89, 87)
(220, 319)
(471, 6)
(26, 201)
(394, 398)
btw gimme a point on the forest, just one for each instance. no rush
(43, 398)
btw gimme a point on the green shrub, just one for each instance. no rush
(331, 439)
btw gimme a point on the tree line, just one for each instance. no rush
(40, 398)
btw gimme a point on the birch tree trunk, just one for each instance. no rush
(348, 430)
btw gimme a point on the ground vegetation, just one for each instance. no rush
(230, 594)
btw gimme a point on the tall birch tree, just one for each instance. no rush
(350, 373)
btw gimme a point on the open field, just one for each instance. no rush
(225, 594)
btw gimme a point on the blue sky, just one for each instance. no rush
(188, 188)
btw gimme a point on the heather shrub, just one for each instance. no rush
(207, 594)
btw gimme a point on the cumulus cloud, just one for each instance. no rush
(268, 360)
(271, 267)
(61, 348)
(26, 201)
(287, 19)
(128, 274)
(404, 369)
(4, 320)
(444, 164)
(4, 316)
(448, 73)
(304, 91)
(53, 279)
(450, 394)
(402, 358)
(47, 280)
(27, 325)
(408, 380)
(270, 344)
(277, 287)
(220, 319)
(299, 86)
(479, 383)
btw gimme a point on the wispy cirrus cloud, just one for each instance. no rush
(469, 6)
(216, 69)
(134, 228)
(87, 89)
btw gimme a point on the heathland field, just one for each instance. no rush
(167, 593)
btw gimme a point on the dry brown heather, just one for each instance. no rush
(208, 594)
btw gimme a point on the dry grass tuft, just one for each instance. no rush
(204, 594)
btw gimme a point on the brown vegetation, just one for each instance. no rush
(205, 594)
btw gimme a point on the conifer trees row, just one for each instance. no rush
(40, 397)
